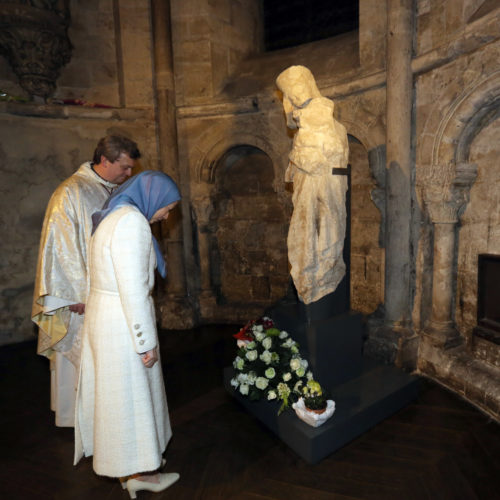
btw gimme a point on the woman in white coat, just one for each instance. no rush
(121, 415)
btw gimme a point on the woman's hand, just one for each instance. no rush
(77, 308)
(149, 358)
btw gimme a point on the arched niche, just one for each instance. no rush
(367, 254)
(248, 227)
(479, 231)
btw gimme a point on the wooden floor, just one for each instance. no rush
(437, 448)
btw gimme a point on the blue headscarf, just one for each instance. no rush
(148, 191)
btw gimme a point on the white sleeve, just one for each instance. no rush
(131, 244)
(51, 304)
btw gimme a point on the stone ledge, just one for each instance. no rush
(55, 111)
(354, 81)
(456, 369)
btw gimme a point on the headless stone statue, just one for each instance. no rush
(317, 228)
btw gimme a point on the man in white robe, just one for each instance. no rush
(61, 285)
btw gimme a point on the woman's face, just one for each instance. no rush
(162, 213)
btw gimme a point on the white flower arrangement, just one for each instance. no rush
(268, 364)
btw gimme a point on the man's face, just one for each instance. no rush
(118, 170)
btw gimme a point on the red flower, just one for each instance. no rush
(243, 334)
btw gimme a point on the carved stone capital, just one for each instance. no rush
(203, 210)
(446, 190)
(34, 40)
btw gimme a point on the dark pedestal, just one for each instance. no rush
(332, 344)
(360, 403)
(364, 391)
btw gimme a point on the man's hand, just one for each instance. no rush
(77, 308)
(149, 358)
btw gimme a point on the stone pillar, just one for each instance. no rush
(446, 193)
(176, 312)
(398, 167)
(206, 299)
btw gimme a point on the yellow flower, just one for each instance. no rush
(314, 387)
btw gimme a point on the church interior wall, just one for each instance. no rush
(44, 143)
(228, 109)
(457, 126)
(209, 39)
(39, 154)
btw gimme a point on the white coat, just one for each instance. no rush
(121, 415)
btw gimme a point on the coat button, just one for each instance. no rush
(137, 326)
(139, 334)
(141, 342)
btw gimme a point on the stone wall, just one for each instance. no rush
(457, 109)
(210, 38)
(232, 149)
(44, 144)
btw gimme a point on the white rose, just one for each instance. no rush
(251, 355)
(297, 386)
(271, 395)
(304, 363)
(270, 372)
(238, 363)
(267, 343)
(283, 334)
(261, 383)
(244, 389)
(295, 364)
(234, 383)
(252, 377)
(287, 376)
(260, 336)
(266, 357)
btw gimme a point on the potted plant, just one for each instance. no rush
(314, 397)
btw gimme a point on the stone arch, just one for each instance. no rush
(209, 157)
(446, 177)
(447, 136)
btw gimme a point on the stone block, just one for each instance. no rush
(492, 404)
(196, 28)
(195, 84)
(189, 8)
(194, 52)
(236, 288)
(260, 287)
(221, 9)
(364, 235)
(220, 64)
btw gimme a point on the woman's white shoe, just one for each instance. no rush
(165, 480)
(123, 480)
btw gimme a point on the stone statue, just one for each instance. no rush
(317, 228)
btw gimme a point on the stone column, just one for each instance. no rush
(398, 167)
(176, 312)
(446, 193)
(203, 211)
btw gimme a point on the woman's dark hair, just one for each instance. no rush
(112, 146)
